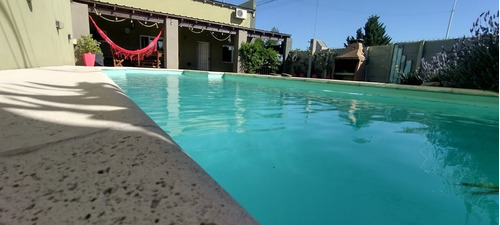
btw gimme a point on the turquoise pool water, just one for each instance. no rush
(295, 152)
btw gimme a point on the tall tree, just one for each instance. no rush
(270, 43)
(359, 35)
(374, 33)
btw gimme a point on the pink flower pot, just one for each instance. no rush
(88, 59)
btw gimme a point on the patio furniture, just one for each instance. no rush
(150, 61)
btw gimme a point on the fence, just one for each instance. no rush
(383, 63)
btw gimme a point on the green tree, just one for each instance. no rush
(270, 43)
(359, 35)
(374, 33)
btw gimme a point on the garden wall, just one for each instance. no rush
(385, 63)
(378, 64)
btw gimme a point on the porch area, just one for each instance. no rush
(185, 43)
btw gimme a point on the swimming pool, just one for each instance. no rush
(295, 152)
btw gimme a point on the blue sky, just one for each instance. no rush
(405, 20)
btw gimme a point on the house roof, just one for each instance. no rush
(123, 11)
(224, 4)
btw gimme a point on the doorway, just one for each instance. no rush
(203, 56)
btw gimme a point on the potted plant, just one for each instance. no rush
(88, 47)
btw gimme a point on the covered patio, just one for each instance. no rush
(185, 42)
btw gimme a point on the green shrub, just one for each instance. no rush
(411, 78)
(254, 56)
(323, 62)
(86, 44)
(298, 61)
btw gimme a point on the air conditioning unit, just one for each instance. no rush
(241, 14)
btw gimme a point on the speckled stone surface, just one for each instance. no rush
(75, 150)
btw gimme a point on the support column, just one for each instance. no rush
(80, 24)
(241, 37)
(313, 49)
(171, 44)
(419, 55)
(286, 47)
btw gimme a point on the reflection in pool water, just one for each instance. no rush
(295, 152)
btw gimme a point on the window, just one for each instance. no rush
(145, 40)
(227, 53)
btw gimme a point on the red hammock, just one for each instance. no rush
(125, 53)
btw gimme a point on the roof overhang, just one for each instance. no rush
(122, 11)
(227, 5)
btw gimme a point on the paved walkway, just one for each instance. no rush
(76, 150)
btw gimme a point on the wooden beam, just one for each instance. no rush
(197, 26)
(124, 14)
(114, 10)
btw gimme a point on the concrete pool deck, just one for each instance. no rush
(76, 150)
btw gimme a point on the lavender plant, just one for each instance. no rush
(472, 62)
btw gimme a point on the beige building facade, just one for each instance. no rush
(35, 34)
(216, 11)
